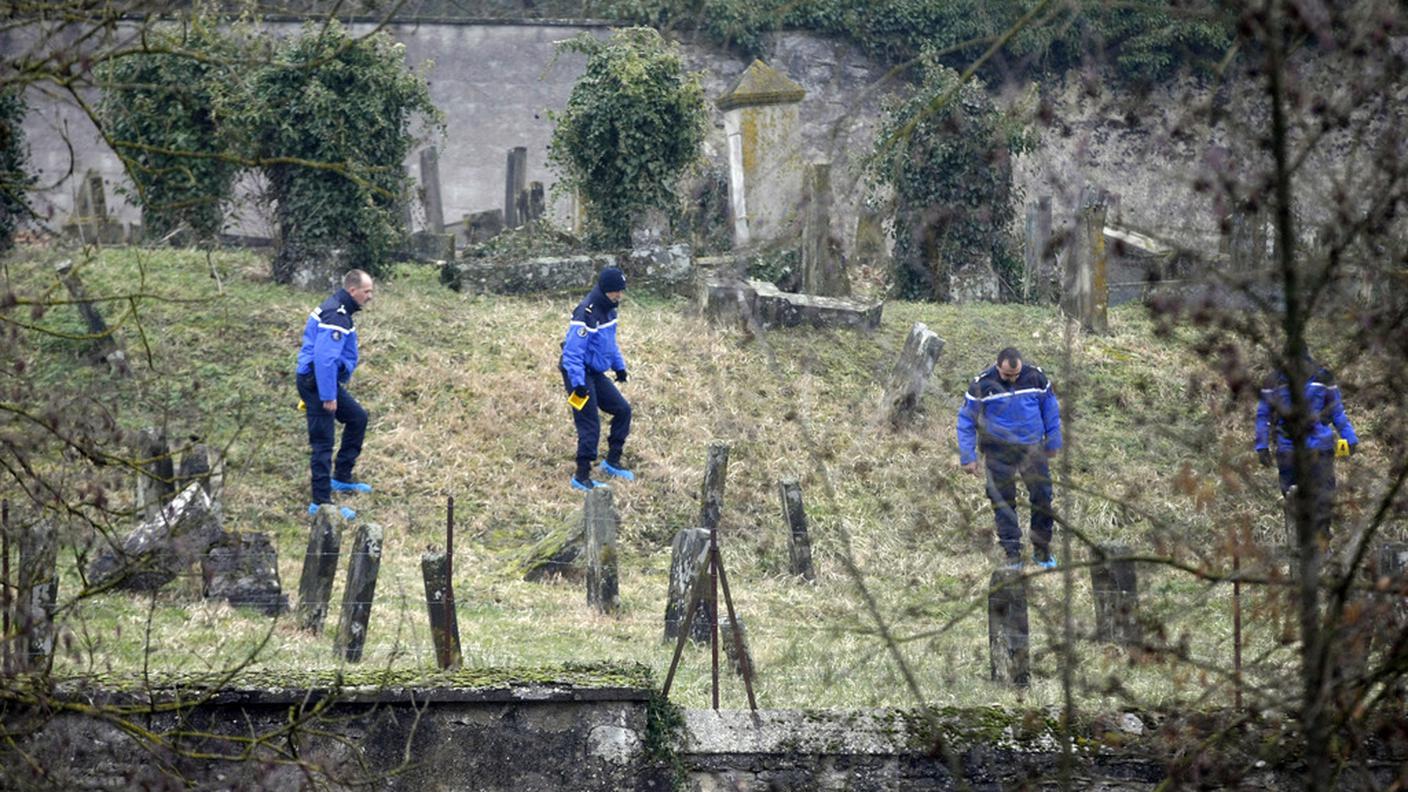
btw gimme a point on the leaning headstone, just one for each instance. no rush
(603, 593)
(319, 567)
(911, 373)
(559, 554)
(1116, 588)
(362, 569)
(156, 481)
(1007, 628)
(799, 543)
(430, 190)
(1085, 285)
(242, 568)
(444, 624)
(161, 548)
(106, 347)
(194, 468)
(738, 655)
(38, 591)
(823, 272)
(688, 555)
(514, 180)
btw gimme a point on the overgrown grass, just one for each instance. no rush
(466, 400)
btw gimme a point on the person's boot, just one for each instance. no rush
(582, 479)
(1041, 556)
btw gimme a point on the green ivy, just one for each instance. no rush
(15, 179)
(331, 118)
(158, 112)
(945, 153)
(634, 122)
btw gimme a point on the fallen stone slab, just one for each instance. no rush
(729, 299)
(159, 549)
(547, 274)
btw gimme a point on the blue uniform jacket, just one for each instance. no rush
(330, 344)
(1322, 397)
(1023, 413)
(591, 339)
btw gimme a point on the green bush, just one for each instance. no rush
(946, 154)
(330, 120)
(15, 179)
(158, 113)
(634, 122)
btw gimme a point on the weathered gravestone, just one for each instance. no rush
(1392, 579)
(37, 593)
(688, 555)
(362, 569)
(105, 344)
(483, 226)
(537, 201)
(1007, 628)
(910, 376)
(560, 553)
(823, 269)
(156, 479)
(319, 567)
(603, 590)
(159, 549)
(430, 191)
(799, 543)
(242, 568)
(515, 178)
(1039, 275)
(738, 656)
(1085, 282)
(444, 623)
(1115, 587)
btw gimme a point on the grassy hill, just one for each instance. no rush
(466, 400)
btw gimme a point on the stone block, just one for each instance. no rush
(483, 226)
(777, 308)
(910, 376)
(243, 569)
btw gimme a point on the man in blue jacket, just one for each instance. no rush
(588, 352)
(1323, 410)
(1011, 415)
(326, 361)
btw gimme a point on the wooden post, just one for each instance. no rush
(1007, 628)
(602, 584)
(799, 543)
(688, 554)
(444, 629)
(1116, 589)
(362, 568)
(430, 188)
(38, 592)
(910, 376)
(319, 568)
(156, 483)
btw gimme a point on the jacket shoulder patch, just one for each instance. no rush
(582, 331)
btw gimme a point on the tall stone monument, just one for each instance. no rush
(763, 126)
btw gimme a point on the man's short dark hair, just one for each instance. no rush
(354, 278)
(1009, 355)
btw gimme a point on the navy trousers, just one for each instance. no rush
(1005, 465)
(602, 397)
(321, 429)
(1321, 476)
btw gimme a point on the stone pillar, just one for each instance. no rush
(243, 569)
(712, 498)
(362, 569)
(430, 190)
(514, 181)
(738, 657)
(911, 373)
(90, 208)
(1039, 259)
(1007, 628)
(537, 201)
(1116, 589)
(799, 543)
(444, 624)
(319, 568)
(688, 554)
(823, 272)
(38, 591)
(763, 128)
(1086, 289)
(156, 482)
(602, 586)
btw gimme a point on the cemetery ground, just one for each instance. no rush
(466, 400)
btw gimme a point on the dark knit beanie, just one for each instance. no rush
(612, 280)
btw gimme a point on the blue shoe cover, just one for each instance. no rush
(586, 486)
(353, 486)
(347, 514)
(616, 472)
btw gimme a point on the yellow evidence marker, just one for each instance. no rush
(577, 402)
(301, 406)
(1341, 448)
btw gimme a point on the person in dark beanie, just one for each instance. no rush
(1010, 413)
(326, 360)
(588, 353)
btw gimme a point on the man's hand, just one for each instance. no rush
(1051, 453)
(620, 375)
(971, 468)
(580, 391)
(1264, 454)
(330, 406)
